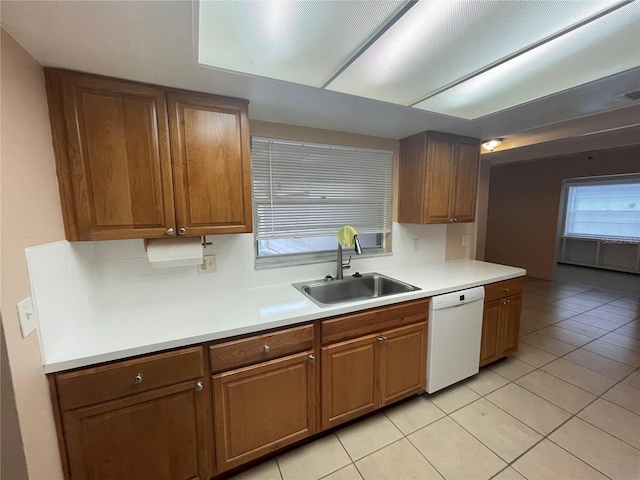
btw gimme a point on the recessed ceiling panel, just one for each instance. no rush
(303, 42)
(606, 46)
(439, 42)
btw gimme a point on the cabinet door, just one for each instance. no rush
(348, 380)
(160, 434)
(114, 165)
(465, 177)
(261, 408)
(440, 151)
(403, 362)
(509, 330)
(211, 162)
(489, 348)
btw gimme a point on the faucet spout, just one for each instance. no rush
(356, 245)
(343, 266)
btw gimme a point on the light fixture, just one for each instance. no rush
(492, 144)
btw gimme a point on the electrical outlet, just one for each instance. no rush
(465, 240)
(416, 244)
(27, 316)
(208, 264)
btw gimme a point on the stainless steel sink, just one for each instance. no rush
(369, 285)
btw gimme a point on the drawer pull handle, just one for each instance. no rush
(198, 386)
(137, 379)
(266, 349)
(312, 358)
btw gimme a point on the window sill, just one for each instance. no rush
(278, 261)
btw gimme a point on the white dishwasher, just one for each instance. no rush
(455, 331)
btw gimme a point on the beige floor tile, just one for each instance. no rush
(567, 304)
(544, 317)
(630, 314)
(556, 310)
(614, 352)
(454, 452)
(527, 304)
(265, 471)
(534, 411)
(368, 435)
(510, 368)
(498, 430)
(582, 377)
(350, 472)
(599, 364)
(547, 344)
(485, 382)
(531, 324)
(414, 414)
(596, 322)
(398, 460)
(582, 328)
(508, 474)
(581, 301)
(557, 391)
(564, 335)
(609, 316)
(623, 341)
(547, 461)
(602, 451)
(633, 380)
(627, 303)
(615, 420)
(629, 331)
(314, 460)
(454, 397)
(625, 396)
(533, 356)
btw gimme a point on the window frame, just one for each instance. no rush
(324, 256)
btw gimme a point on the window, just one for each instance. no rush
(607, 207)
(303, 193)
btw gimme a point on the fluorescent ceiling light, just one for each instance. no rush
(464, 58)
(304, 42)
(608, 45)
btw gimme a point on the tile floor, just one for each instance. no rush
(565, 406)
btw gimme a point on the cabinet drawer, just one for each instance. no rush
(258, 348)
(107, 382)
(374, 321)
(497, 290)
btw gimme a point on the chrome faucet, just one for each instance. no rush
(343, 266)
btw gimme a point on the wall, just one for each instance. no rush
(524, 202)
(30, 216)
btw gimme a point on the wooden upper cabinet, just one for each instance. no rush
(438, 178)
(212, 163)
(127, 169)
(112, 147)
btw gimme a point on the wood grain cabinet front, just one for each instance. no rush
(362, 374)
(438, 178)
(160, 428)
(501, 320)
(139, 161)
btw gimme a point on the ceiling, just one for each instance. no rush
(157, 42)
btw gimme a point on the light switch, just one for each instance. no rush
(27, 317)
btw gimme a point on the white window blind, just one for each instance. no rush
(604, 209)
(310, 190)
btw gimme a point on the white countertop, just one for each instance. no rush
(148, 327)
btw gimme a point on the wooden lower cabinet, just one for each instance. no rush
(159, 434)
(263, 407)
(500, 328)
(369, 372)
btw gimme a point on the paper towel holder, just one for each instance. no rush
(203, 238)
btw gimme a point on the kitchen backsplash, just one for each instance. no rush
(81, 278)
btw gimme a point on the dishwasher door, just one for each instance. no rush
(455, 332)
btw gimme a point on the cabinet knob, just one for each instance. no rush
(312, 358)
(198, 386)
(451, 220)
(169, 231)
(137, 379)
(266, 349)
(182, 231)
(383, 339)
(506, 290)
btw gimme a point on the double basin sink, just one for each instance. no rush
(351, 289)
